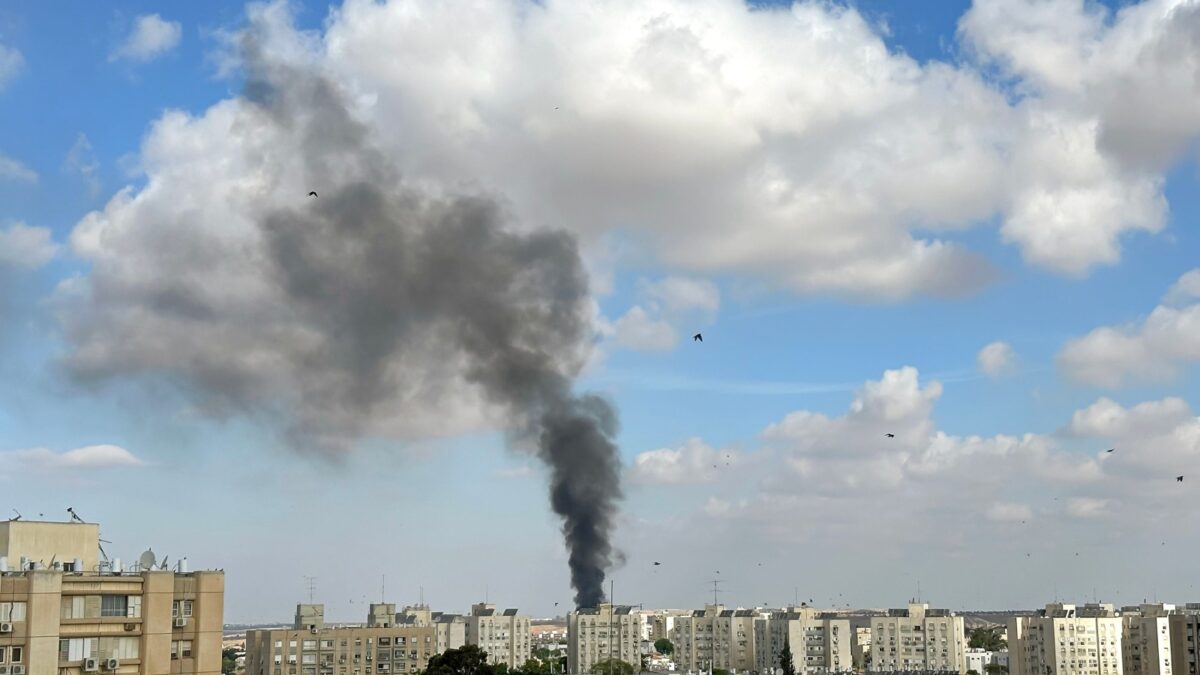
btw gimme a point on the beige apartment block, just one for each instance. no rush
(599, 633)
(1067, 640)
(861, 647)
(918, 638)
(451, 628)
(64, 611)
(820, 642)
(1185, 639)
(311, 648)
(1146, 642)
(715, 637)
(503, 635)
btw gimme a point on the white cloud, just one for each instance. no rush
(1154, 349)
(26, 247)
(81, 159)
(11, 63)
(88, 457)
(652, 325)
(524, 471)
(151, 37)
(11, 169)
(694, 462)
(1086, 507)
(637, 329)
(1008, 512)
(996, 359)
(1185, 290)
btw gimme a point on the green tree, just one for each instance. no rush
(972, 672)
(664, 646)
(995, 669)
(228, 661)
(786, 664)
(467, 660)
(988, 638)
(720, 671)
(613, 666)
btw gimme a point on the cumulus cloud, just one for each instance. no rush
(1185, 290)
(87, 457)
(651, 325)
(996, 359)
(11, 169)
(151, 37)
(11, 63)
(693, 462)
(81, 159)
(26, 247)
(927, 493)
(1153, 349)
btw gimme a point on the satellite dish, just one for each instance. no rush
(147, 560)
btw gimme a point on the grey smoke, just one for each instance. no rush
(377, 287)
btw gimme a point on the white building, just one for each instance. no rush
(1065, 640)
(820, 643)
(600, 633)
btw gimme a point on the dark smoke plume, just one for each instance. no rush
(373, 288)
(375, 262)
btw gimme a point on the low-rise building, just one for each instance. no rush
(312, 648)
(66, 609)
(918, 638)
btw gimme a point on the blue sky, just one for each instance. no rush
(898, 194)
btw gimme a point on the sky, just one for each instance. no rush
(967, 224)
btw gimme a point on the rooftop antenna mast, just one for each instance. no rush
(717, 589)
(312, 584)
(382, 588)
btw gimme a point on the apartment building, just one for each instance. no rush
(1146, 639)
(715, 638)
(312, 648)
(599, 633)
(451, 628)
(918, 638)
(66, 609)
(1067, 640)
(861, 647)
(978, 660)
(1185, 638)
(503, 635)
(820, 642)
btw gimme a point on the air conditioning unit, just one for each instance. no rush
(314, 630)
(16, 670)
(180, 622)
(3, 670)
(5, 627)
(91, 665)
(112, 664)
(129, 627)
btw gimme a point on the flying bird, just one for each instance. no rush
(890, 435)
(697, 338)
(656, 563)
(312, 194)
(1179, 479)
(1110, 449)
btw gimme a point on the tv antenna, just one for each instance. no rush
(716, 589)
(18, 515)
(312, 584)
(74, 516)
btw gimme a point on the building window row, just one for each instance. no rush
(97, 606)
(12, 654)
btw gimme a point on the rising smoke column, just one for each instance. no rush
(372, 288)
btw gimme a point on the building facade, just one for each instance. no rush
(1067, 640)
(820, 643)
(918, 638)
(715, 638)
(311, 648)
(1185, 639)
(64, 610)
(503, 635)
(1146, 639)
(599, 633)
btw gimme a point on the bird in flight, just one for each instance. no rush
(312, 194)
(1179, 478)
(697, 338)
(1110, 449)
(656, 563)
(890, 435)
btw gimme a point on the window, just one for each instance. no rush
(12, 611)
(185, 607)
(114, 605)
(17, 654)
(175, 651)
(185, 649)
(308, 644)
(3, 654)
